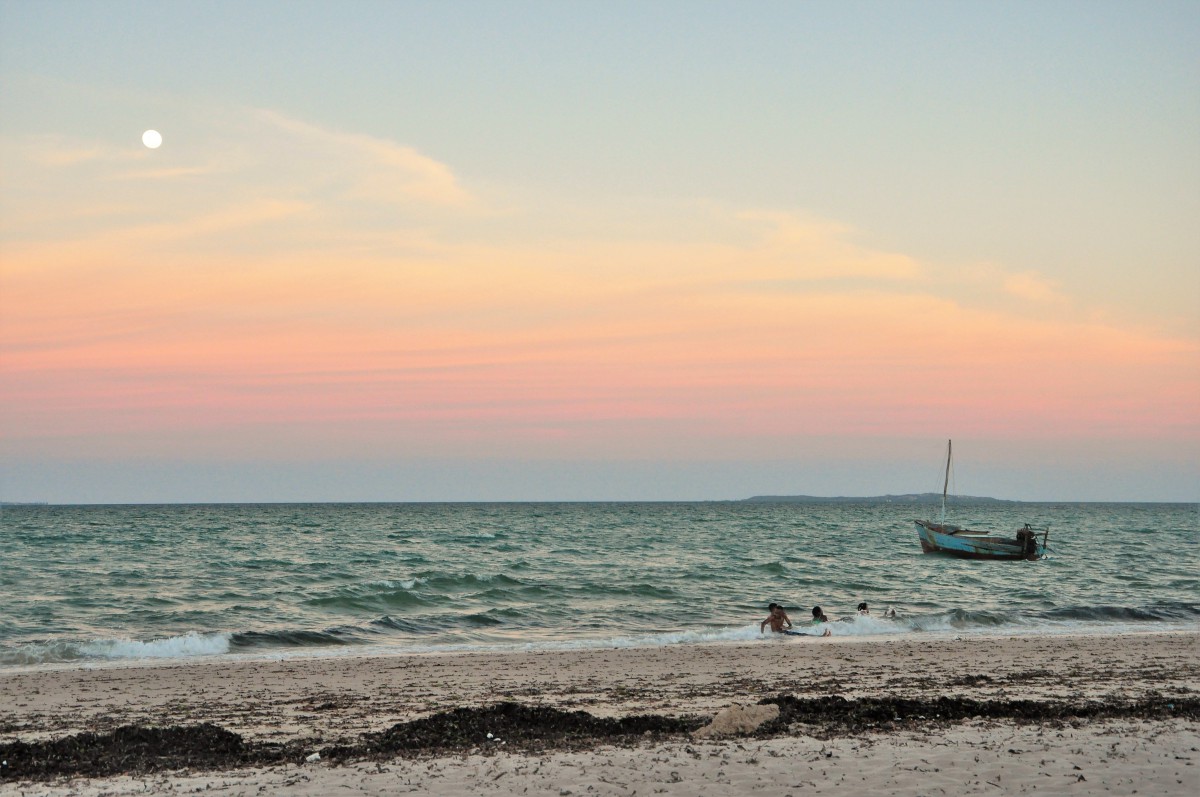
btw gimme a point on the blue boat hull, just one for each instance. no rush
(968, 544)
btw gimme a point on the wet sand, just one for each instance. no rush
(296, 707)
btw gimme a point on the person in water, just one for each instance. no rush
(820, 618)
(778, 619)
(781, 624)
(863, 611)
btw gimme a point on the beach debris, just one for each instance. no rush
(134, 749)
(129, 748)
(508, 722)
(738, 719)
(312, 759)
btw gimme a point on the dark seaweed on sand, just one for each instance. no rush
(130, 748)
(836, 715)
(512, 724)
(137, 749)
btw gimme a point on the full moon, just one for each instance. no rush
(152, 139)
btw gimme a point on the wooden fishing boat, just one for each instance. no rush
(972, 544)
(946, 538)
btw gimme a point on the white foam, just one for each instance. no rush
(124, 652)
(405, 584)
(738, 634)
(867, 625)
(176, 647)
(936, 622)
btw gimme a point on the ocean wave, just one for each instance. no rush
(294, 638)
(388, 634)
(446, 582)
(958, 620)
(359, 598)
(868, 625)
(185, 646)
(388, 623)
(1167, 616)
(1161, 612)
(482, 619)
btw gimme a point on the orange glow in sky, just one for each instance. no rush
(286, 282)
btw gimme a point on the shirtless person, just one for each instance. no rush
(777, 618)
(781, 624)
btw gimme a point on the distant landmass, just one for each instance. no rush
(909, 498)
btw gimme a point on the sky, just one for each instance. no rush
(489, 251)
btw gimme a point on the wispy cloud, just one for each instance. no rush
(59, 152)
(818, 248)
(1032, 287)
(371, 169)
(260, 191)
(56, 154)
(170, 173)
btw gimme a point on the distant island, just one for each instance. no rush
(909, 498)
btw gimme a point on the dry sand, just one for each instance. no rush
(326, 701)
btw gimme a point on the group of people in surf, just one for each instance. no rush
(780, 623)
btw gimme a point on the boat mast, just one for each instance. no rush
(946, 484)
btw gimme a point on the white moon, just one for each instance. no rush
(152, 139)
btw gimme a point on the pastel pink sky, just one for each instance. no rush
(268, 289)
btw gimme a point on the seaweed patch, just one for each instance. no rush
(135, 749)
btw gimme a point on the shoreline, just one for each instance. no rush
(703, 639)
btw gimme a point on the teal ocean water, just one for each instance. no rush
(81, 585)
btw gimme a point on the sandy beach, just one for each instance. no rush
(1142, 742)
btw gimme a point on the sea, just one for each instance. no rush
(87, 586)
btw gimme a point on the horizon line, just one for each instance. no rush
(911, 498)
